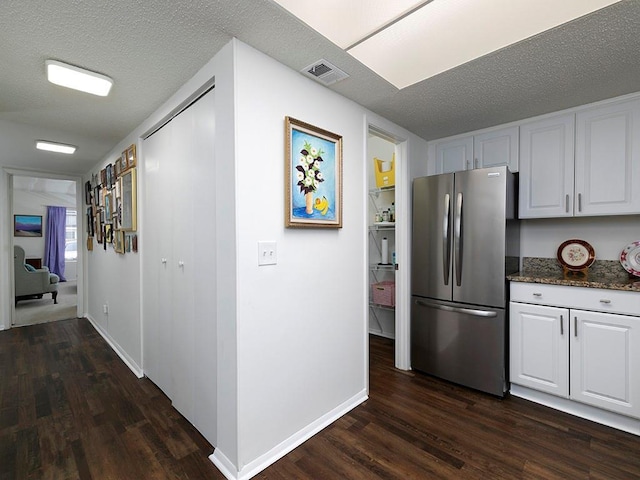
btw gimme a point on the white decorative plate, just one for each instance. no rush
(630, 258)
(576, 254)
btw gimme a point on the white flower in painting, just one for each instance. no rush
(319, 176)
(314, 152)
(311, 173)
(308, 182)
(300, 175)
(316, 184)
(316, 165)
(309, 159)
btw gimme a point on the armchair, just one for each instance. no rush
(36, 283)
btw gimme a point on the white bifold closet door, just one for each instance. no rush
(179, 292)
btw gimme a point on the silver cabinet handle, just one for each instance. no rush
(606, 301)
(446, 242)
(457, 239)
(579, 202)
(181, 264)
(536, 294)
(163, 261)
(468, 311)
(575, 326)
(561, 325)
(566, 203)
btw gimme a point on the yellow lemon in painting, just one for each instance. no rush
(322, 205)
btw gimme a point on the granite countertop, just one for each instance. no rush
(607, 274)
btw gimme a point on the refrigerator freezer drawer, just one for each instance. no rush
(460, 343)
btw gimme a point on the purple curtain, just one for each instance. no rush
(54, 242)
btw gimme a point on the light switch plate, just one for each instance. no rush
(267, 253)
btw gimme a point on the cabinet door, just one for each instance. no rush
(546, 168)
(607, 166)
(605, 361)
(539, 347)
(454, 155)
(496, 148)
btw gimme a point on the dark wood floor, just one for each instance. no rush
(70, 409)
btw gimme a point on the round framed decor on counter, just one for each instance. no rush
(630, 258)
(576, 254)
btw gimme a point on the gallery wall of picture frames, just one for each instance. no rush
(111, 199)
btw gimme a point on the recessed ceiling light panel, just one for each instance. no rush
(78, 78)
(445, 34)
(55, 147)
(407, 41)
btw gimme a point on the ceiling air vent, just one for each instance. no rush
(324, 72)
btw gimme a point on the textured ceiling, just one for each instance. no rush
(151, 48)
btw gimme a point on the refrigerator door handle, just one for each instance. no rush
(467, 311)
(446, 243)
(457, 239)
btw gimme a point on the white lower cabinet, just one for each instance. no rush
(587, 356)
(539, 355)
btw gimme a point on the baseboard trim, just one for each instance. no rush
(248, 471)
(595, 414)
(129, 362)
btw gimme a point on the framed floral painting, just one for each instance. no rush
(313, 169)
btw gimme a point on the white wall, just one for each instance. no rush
(6, 250)
(608, 235)
(301, 323)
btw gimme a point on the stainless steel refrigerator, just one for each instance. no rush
(465, 240)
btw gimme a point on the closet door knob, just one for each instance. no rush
(181, 264)
(163, 261)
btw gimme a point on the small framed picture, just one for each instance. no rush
(87, 192)
(131, 156)
(107, 205)
(110, 179)
(27, 225)
(118, 241)
(99, 229)
(108, 233)
(117, 168)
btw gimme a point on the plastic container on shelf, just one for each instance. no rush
(384, 293)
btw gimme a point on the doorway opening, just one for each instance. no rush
(387, 244)
(31, 196)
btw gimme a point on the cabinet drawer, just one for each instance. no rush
(594, 299)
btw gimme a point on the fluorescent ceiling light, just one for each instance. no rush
(55, 147)
(418, 40)
(78, 78)
(346, 22)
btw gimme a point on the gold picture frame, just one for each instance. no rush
(313, 181)
(128, 199)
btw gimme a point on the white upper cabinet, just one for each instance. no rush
(607, 168)
(454, 155)
(496, 148)
(546, 167)
(489, 149)
(582, 164)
